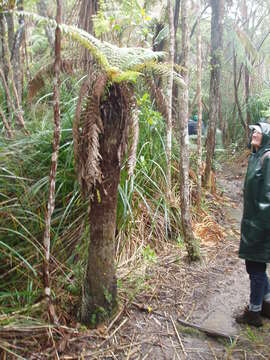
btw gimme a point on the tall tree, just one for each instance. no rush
(192, 248)
(215, 73)
(88, 8)
(170, 91)
(54, 160)
(42, 8)
(199, 102)
(16, 57)
(7, 75)
(246, 69)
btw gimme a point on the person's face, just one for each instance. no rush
(256, 139)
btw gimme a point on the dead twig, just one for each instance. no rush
(115, 331)
(116, 318)
(179, 338)
(208, 331)
(212, 350)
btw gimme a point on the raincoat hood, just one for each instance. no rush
(265, 128)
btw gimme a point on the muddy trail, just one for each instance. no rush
(208, 294)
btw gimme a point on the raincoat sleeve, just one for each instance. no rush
(264, 202)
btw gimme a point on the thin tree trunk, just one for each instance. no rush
(42, 8)
(236, 85)
(10, 102)
(170, 88)
(54, 160)
(220, 117)
(6, 124)
(175, 26)
(199, 102)
(246, 18)
(247, 94)
(10, 29)
(192, 247)
(175, 87)
(88, 8)
(16, 55)
(233, 122)
(216, 48)
(4, 63)
(7, 64)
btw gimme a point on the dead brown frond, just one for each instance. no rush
(158, 95)
(46, 72)
(86, 130)
(209, 231)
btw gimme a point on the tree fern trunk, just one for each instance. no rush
(192, 249)
(100, 287)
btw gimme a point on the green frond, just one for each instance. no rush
(88, 42)
(112, 58)
(162, 70)
(162, 35)
(126, 76)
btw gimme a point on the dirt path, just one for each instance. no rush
(206, 294)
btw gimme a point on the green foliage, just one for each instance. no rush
(259, 105)
(122, 22)
(24, 164)
(149, 254)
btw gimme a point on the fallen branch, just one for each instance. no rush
(207, 331)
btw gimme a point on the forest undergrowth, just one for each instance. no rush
(156, 284)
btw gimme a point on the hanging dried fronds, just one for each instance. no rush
(46, 72)
(158, 95)
(86, 131)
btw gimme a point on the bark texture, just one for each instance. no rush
(88, 8)
(100, 287)
(199, 102)
(236, 83)
(16, 58)
(169, 94)
(42, 8)
(8, 73)
(216, 55)
(54, 160)
(192, 248)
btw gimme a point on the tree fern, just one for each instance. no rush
(120, 64)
